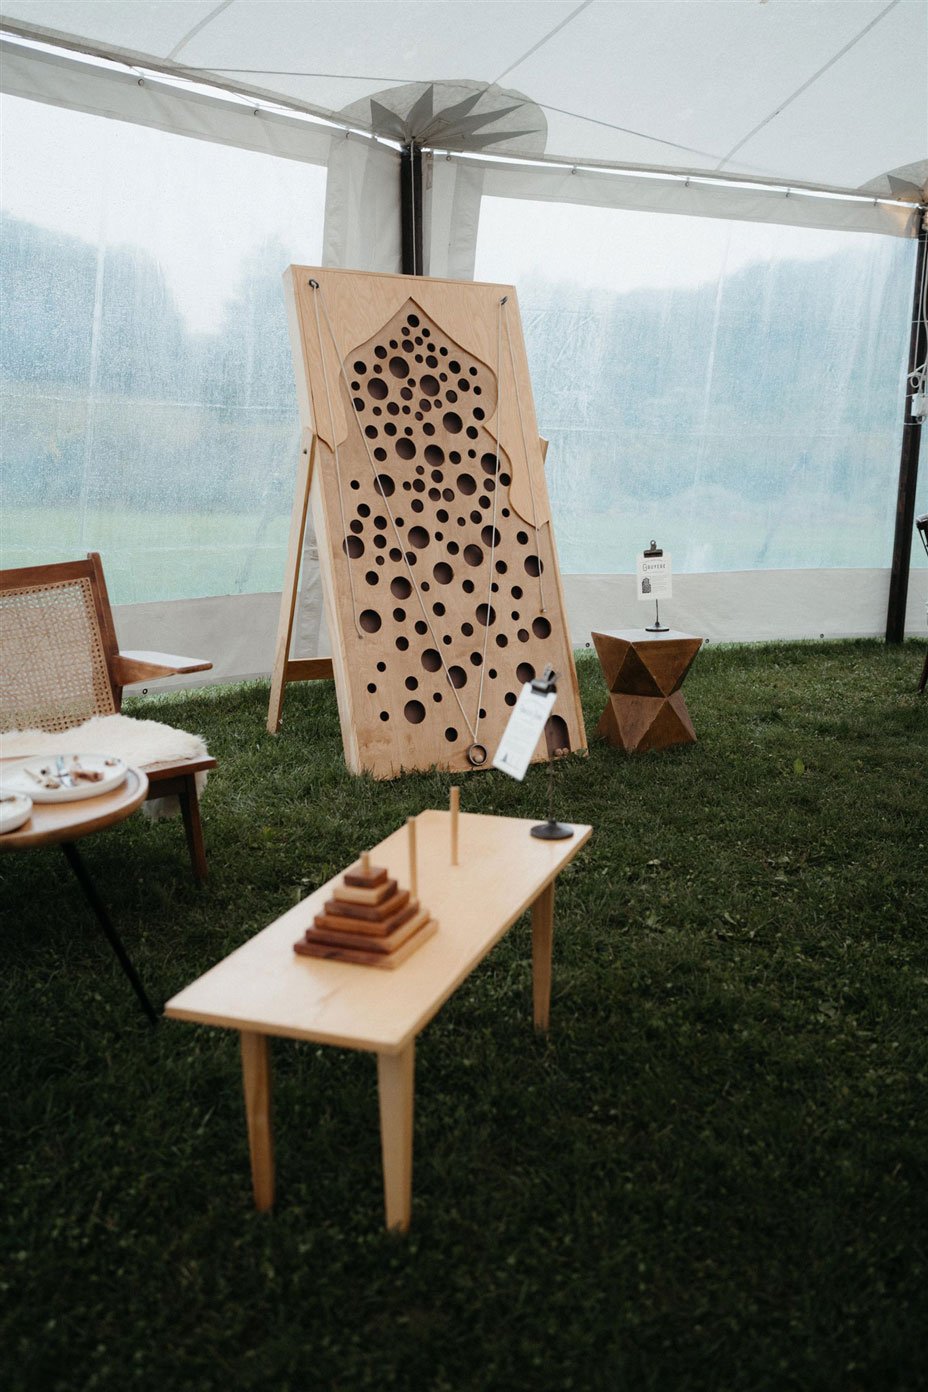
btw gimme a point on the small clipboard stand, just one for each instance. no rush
(657, 626)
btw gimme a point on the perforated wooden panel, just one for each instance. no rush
(431, 513)
(53, 670)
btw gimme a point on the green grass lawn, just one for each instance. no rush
(713, 1173)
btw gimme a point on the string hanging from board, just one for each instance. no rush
(477, 753)
(410, 417)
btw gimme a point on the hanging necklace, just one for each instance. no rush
(476, 752)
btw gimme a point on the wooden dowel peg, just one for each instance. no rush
(455, 810)
(365, 862)
(413, 869)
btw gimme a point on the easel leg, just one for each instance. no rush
(291, 584)
(256, 1077)
(542, 936)
(395, 1083)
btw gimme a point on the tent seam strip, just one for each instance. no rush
(542, 41)
(192, 33)
(810, 81)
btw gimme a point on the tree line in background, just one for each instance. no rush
(762, 384)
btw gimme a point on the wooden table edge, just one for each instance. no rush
(582, 834)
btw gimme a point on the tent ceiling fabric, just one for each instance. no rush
(824, 93)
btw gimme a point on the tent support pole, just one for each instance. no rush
(908, 458)
(411, 209)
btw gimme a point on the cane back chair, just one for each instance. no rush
(61, 665)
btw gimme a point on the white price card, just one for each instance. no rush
(654, 577)
(521, 735)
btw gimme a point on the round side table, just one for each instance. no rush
(64, 823)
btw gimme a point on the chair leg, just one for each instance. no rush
(190, 810)
(924, 681)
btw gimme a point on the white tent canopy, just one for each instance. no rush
(807, 116)
(826, 94)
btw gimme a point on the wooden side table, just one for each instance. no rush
(644, 672)
(264, 989)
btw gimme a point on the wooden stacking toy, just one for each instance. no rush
(369, 919)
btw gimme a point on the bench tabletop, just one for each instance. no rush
(265, 987)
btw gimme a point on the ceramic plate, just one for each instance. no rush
(42, 780)
(15, 808)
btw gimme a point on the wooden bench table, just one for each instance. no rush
(265, 989)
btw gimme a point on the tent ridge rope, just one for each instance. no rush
(300, 72)
(626, 130)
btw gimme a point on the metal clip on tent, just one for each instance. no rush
(549, 830)
(657, 626)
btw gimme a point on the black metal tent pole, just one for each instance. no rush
(908, 458)
(411, 209)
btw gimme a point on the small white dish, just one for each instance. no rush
(15, 808)
(64, 778)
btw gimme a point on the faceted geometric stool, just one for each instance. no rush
(644, 672)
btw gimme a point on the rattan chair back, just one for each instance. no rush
(55, 635)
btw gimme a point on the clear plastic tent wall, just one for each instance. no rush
(149, 393)
(732, 390)
(731, 383)
(149, 410)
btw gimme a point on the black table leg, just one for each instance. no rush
(93, 899)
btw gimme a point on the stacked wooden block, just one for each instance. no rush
(369, 919)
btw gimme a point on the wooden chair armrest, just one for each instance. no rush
(175, 768)
(129, 667)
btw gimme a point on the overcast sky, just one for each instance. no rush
(200, 208)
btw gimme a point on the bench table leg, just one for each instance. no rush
(395, 1074)
(542, 935)
(256, 1076)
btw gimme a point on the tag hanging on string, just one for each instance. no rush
(523, 731)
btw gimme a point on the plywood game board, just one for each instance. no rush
(431, 514)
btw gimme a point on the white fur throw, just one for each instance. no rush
(139, 742)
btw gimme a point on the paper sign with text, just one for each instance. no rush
(654, 577)
(521, 735)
